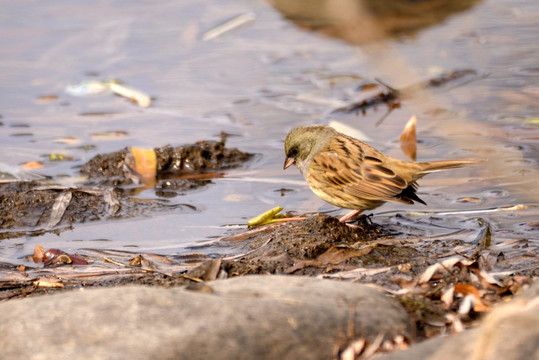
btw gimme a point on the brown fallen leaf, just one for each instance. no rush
(333, 256)
(467, 289)
(37, 257)
(158, 259)
(109, 135)
(206, 271)
(31, 165)
(406, 284)
(55, 257)
(142, 262)
(447, 297)
(338, 254)
(408, 139)
(59, 207)
(356, 273)
(47, 98)
(49, 282)
(443, 266)
(67, 140)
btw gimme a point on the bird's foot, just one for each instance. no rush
(353, 215)
(359, 220)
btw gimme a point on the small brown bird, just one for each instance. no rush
(350, 174)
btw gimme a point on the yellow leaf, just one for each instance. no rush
(265, 217)
(145, 162)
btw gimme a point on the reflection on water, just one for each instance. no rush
(366, 21)
(258, 81)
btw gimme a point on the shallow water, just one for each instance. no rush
(257, 82)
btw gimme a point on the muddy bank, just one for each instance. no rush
(433, 286)
(176, 166)
(441, 288)
(32, 208)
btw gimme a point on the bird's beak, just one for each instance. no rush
(288, 162)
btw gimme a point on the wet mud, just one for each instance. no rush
(35, 207)
(318, 246)
(177, 165)
(429, 283)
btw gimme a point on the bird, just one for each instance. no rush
(350, 174)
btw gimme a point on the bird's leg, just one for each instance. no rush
(351, 215)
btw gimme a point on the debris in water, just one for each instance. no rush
(228, 25)
(408, 139)
(136, 96)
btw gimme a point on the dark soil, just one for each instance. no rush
(26, 207)
(175, 164)
(318, 246)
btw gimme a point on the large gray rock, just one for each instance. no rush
(509, 332)
(255, 317)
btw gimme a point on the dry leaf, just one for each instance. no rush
(67, 140)
(447, 297)
(58, 208)
(158, 259)
(466, 304)
(471, 294)
(486, 279)
(356, 273)
(51, 282)
(455, 323)
(37, 257)
(141, 261)
(228, 25)
(206, 271)
(31, 165)
(136, 96)
(145, 162)
(445, 265)
(55, 256)
(109, 135)
(47, 98)
(333, 256)
(408, 139)
(404, 267)
(338, 254)
(353, 350)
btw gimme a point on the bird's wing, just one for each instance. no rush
(357, 169)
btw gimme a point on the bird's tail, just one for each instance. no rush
(433, 166)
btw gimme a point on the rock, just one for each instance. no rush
(509, 332)
(252, 317)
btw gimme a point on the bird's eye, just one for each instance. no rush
(293, 152)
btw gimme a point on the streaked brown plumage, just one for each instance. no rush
(350, 174)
